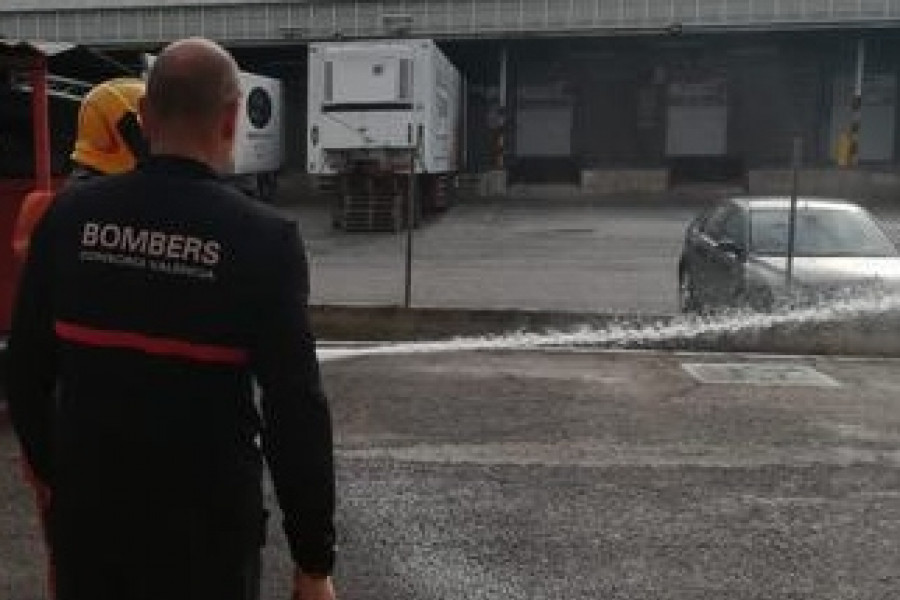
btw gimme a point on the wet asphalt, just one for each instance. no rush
(572, 474)
(611, 255)
(533, 475)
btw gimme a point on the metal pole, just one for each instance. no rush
(504, 75)
(410, 222)
(500, 143)
(40, 124)
(856, 106)
(463, 131)
(792, 221)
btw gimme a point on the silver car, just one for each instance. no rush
(736, 254)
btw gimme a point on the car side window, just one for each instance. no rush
(726, 223)
(734, 228)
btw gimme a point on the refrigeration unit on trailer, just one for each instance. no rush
(259, 138)
(373, 105)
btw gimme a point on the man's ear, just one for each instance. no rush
(147, 122)
(229, 126)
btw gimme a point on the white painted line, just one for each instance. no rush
(599, 454)
(713, 354)
(760, 373)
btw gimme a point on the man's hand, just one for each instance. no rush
(312, 587)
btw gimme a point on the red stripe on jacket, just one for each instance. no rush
(157, 346)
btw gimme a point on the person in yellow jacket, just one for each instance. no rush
(109, 140)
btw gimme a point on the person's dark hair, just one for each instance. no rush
(192, 80)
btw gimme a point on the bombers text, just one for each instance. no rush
(151, 243)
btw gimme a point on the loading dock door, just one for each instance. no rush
(544, 131)
(544, 113)
(697, 118)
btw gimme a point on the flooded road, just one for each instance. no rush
(553, 473)
(550, 475)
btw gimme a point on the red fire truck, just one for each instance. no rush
(41, 85)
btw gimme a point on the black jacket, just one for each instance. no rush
(150, 304)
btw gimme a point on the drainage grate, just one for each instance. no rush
(759, 374)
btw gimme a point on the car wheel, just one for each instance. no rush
(688, 302)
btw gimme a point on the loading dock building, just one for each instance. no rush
(599, 94)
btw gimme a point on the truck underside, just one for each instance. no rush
(368, 199)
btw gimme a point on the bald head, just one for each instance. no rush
(192, 96)
(192, 79)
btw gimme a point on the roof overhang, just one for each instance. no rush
(65, 59)
(24, 50)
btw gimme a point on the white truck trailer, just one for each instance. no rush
(375, 108)
(259, 138)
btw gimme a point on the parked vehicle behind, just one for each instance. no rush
(736, 254)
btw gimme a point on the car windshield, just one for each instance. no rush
(819, 232)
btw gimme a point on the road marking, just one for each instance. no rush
(763, 374)
(596, 454)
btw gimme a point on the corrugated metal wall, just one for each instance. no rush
(253, 21)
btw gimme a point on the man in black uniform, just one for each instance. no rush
(150, 303)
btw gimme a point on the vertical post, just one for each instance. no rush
(463, 129)
(503, 100)
(504, 66)
(410, 219)
(856, 105)
(792, 220)
(41, 124)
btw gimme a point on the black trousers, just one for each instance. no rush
(156, 557)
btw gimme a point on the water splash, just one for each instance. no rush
(632, 333)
